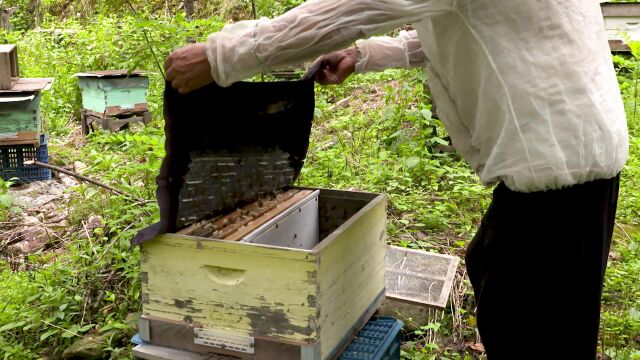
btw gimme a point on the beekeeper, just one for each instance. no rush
(528, 93)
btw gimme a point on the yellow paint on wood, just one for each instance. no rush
(297, 296)
(237, 287)
(351, 273)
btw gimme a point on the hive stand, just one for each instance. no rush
(114, 120)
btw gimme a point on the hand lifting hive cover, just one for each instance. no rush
(228, 146)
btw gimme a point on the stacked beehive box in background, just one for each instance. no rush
(622, 22)
(9, 70)
(21, 135)
(20, 121)
(113, 99)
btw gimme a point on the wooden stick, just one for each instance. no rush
(83, 178)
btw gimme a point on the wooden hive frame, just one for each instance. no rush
(239, 223)
(9, 69)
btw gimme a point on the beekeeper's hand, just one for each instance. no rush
(188, 68)
(336, 67)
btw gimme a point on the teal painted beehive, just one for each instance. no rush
(20, 121)
(20, 118)
(113, 92)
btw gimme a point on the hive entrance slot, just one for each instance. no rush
(225, 276)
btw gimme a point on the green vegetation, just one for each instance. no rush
(6, 199)
(384, 138)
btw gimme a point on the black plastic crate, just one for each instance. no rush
(12, 158)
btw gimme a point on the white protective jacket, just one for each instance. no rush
(526, 89)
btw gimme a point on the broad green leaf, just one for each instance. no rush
(86, 328)
(12, 326)
(395, 134)
(441, 141)
(48, 333)
(6, 201)
(71, 332)
(426, 114)
(412, 162)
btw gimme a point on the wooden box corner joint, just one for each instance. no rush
(9, 69)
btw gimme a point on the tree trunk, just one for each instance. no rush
(188, 8)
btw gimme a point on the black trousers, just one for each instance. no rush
(537, 266)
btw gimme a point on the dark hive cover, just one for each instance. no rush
(227, 146)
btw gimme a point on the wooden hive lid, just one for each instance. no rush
(29, 85)
(111, 74)
(620, 9)
(5, 48)
(17, 97)
(226, 147)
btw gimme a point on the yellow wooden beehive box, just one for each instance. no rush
(311, 301)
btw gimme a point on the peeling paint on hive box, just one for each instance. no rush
(173, 282)
(20, 117)
(98, 94)
(306, 297)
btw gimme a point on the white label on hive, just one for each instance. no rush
(222, 340)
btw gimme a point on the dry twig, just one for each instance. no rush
(85, 179)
